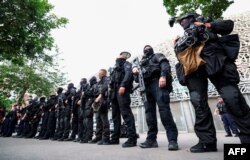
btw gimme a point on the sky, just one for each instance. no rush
(98, 30)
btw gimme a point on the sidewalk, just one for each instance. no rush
(33, 149)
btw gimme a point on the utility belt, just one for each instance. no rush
(151, 77)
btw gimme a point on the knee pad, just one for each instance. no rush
(230, 94)
(195, 98)
(232, 98)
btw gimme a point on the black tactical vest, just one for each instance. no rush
(151, 68)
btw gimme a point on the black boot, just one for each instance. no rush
(173, 146)
(204, 147)
(43, 138)
(93, 141)
(76, 140)
(60, 139)
(129, 143)
(69, 139)
(103, 142)
(112, 141)
(149, 144)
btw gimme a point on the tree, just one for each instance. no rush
(25, 27)
(5, 102)
(209, 8)
(36, 76)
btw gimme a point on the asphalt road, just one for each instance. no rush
(33, 149)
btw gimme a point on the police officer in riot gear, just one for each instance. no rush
(58, 111)
(222, 72)
(30, 112)
(45, 119)
(36, 116)
(121, 86)
(69, 97)
(80, 100)
(50, 107)
(77, 109)
(10, 122)
(158, 83)
(90, 95)
(102, 121)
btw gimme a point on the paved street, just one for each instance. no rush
(33, 149)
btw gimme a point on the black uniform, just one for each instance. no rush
(222, 72)
(156, 66)
(59, 114)
(36, 114)
(102, 122)
(50, 119)
(21, 124)
(9, 123)
(69, 97)
(78, 111)
(28, 117)
(122, 77)
(90, 95)
(45, 119)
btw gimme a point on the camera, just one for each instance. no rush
(193, 34)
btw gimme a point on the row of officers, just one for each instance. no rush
(68, 115)
(155, 72)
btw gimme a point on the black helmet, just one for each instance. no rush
(42, 99)
(148, 50)
(83, 81)
(59, 90)
(189, 18)
(92, 80)
(70, 85)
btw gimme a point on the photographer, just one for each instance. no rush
(222, 72)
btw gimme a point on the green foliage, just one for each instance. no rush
(25, 27)
(5, 102)
(36, 76)
(209, 8)
(26, 44)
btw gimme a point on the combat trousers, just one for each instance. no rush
(60, 124)
(121, 106)
(226, 84)
(80, 122)
(88, 120)
(33, 128)
(66, 119)
(102, 124)
(44, 126)
(161, 97)
(75, 121)
(51, 127)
